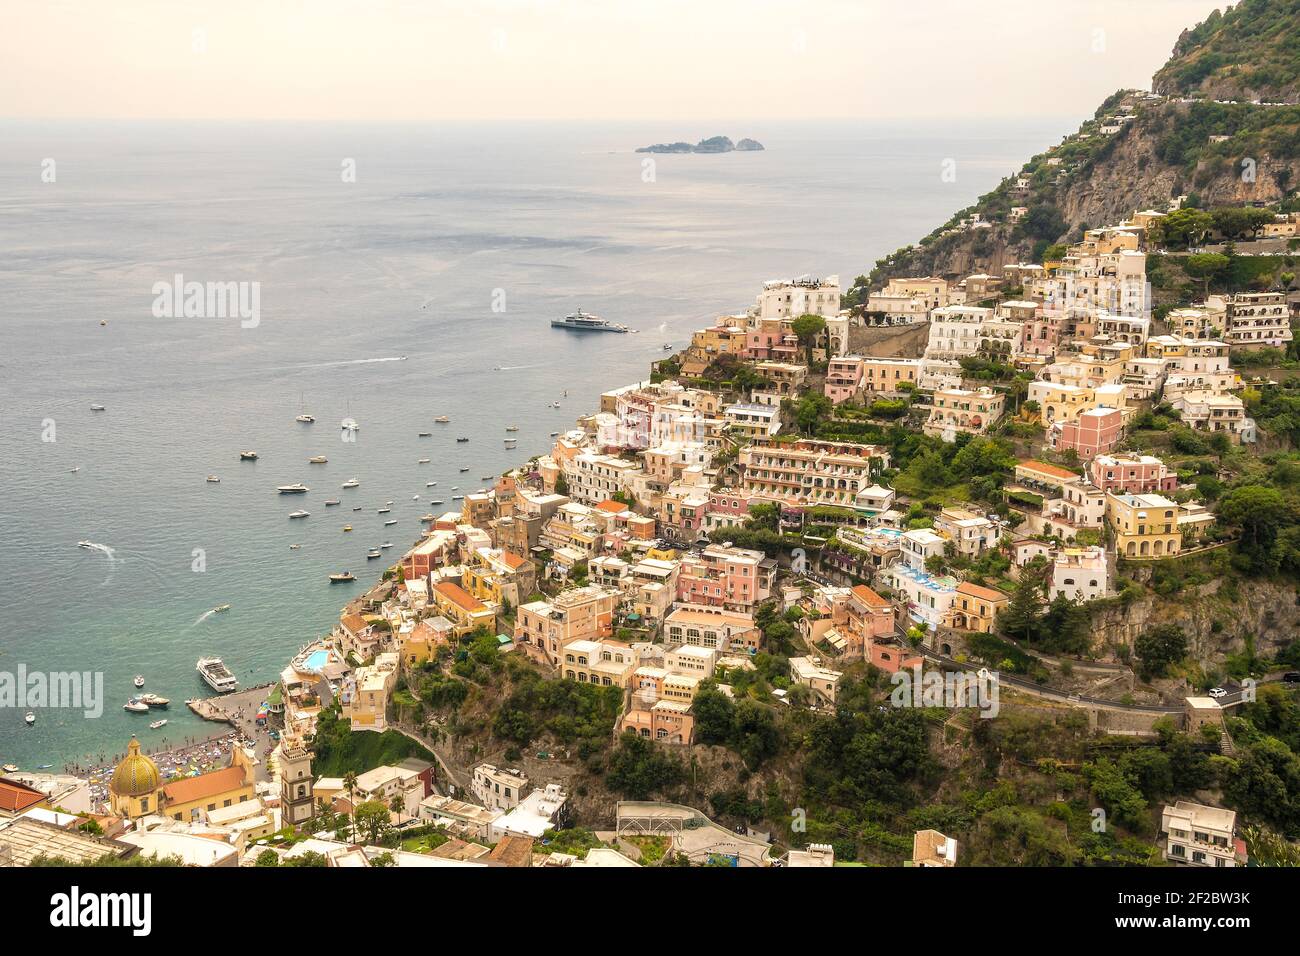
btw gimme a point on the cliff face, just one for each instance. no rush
(1216, 622)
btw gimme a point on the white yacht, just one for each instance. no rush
(295, 489)
(215, 674)
(305, 419)
(213, 479)
(586, 322)
(299, 514)
(351, 483)
(349, 425)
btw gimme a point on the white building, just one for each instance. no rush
(1081, 574)
(1199, 835)
(498, 788)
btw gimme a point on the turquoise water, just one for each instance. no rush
(315, 661)
(376, 303)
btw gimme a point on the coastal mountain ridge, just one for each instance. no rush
(1221, 127)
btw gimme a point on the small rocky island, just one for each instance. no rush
(714, 144)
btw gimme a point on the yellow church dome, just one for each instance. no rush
(136, 775)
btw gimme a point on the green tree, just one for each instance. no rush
(372, 819)
(1158, 649)
(808, 328)
(1259, 511)
(1206, 266)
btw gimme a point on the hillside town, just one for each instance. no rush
(779, 507)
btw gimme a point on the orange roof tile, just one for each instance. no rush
(974, 590)
(188, 789)
(459, 596)
(1047, 469)
(16, 797)
(514, 561)
(868, 596)
(611, 506)
(354, 623)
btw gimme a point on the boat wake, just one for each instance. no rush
(101, 548)
(204, 616)
(365, 361)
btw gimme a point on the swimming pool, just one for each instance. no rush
(316, 660)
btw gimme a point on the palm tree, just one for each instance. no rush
(350, 785)
(397, 805)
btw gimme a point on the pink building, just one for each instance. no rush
(1134, 474)
(1094, 432)
(728, 506)
(722, 576)
(843, 378)
(870, 619)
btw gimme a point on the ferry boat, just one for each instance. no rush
(136, 706)
(214, 479)
(295, 489)
(317, 460)
(586, 322)
(351, 483)
(248, 456)
(299, 514)
(341, 578)
(215, 674)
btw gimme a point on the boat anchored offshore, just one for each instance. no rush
(586, 322)
(153, 700)
(136, 706)
(248, 456)
(351, 483)
(139, 680)
(317, 460)
(299, 514)
(295, 489)
(215, 674)
(442, 419)
(29, 718)
(214, 479)
(341, 578)
(372, 554)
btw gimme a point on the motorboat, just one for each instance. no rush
(388, 504)
(96, 408)
(305, 419)
(347, 527)
(248, 456)
(349, 425)
(299, 514)
(462, 438)
(436, 501)
(384, 511)
(215, 674)
(10, 768)
(153, 700)
(372, 554)
(295, 547)
(512, 428)
(139, 680)
(429, 484)
(76, 469)
(220, 608)
(295, 489)
(386, 544)
(667, 347)
(357, 508)
(340, 578)
(415, 497)
(317, 460)
(213, 479)
(455, 487)
(424, 434)
(390, 521)
(423, 461)
(442, 419)
(457, 497)
(511, 442)
(555, 434)
(351, 483)
(465, 469)
(29, 718)
(136, 706)
(158, 724)
(331, 503)
(88, 545)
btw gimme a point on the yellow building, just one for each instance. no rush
(464, 610)
(1145, 526)
(136, 788)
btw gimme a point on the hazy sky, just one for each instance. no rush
(553, 59)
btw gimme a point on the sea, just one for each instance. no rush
(400, 273)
